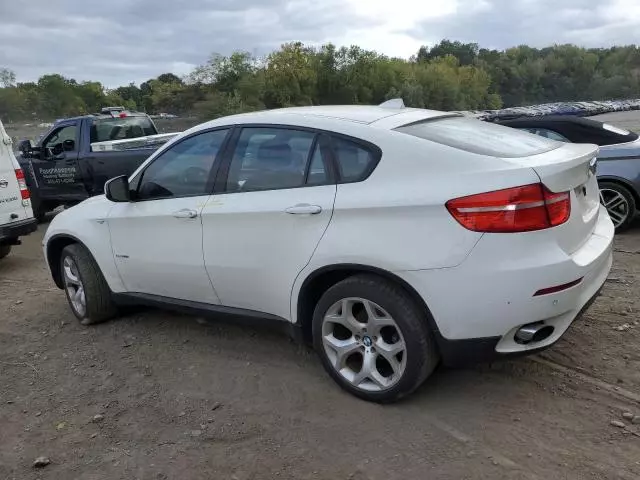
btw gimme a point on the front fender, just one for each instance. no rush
(87, 224)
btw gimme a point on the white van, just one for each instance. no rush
(16, 216)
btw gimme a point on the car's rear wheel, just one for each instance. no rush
(4, 250)
(620, 204)
(87, 291)
(373, 339)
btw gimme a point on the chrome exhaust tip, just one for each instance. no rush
(533, 333)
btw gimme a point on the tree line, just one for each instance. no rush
(448, 76)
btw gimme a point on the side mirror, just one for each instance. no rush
(117, 189)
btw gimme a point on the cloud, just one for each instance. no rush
(539, 23)
(121, 41)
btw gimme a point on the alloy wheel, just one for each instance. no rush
(364, 344)
(74, 286)
(616, 204)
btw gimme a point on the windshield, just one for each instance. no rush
(480, 137)
(106, 129)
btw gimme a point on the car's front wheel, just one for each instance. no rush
(620, 204)
(373, 339)
(87, 291)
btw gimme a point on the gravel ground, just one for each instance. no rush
(628, 120)
(156, 395)
(159, 396)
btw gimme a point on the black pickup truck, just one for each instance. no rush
(76, 156)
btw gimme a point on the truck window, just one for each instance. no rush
(106, 129)
(55, 143)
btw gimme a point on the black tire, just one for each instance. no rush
(629, 199)
(98, 298)
(40, 210)
(421, 349)
(4, 251)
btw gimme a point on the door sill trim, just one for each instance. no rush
(238, 316)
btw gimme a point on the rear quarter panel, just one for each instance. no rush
(396, 219)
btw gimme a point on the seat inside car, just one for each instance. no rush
(274, 167)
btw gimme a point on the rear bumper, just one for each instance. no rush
(479, 305)
(461, 353)
(14, 230)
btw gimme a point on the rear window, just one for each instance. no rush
(106, 129)
(480, 137)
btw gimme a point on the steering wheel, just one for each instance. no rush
(55, 150)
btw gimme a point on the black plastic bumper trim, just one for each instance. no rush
(14, 230)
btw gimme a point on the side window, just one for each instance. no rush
(354, 160)
(317, 174)
(545, 132)
(61, 140)
(270, 159)
(183, 170)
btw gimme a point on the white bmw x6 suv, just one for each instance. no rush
(390, 238)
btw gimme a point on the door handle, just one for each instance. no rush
(304, 208)
(185, 213)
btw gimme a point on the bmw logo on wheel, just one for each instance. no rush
(367, 341)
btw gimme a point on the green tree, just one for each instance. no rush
(7, 78)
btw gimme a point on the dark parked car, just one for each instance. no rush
(618, 166)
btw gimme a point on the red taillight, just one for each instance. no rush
(122, 115)
(22, 184)
(519, 209)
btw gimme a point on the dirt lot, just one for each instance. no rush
(179, 399)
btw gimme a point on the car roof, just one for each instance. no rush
(361, 114)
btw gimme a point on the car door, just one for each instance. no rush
(157, 237)
(273, 202)
(55, 168)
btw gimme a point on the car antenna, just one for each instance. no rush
(393, 103)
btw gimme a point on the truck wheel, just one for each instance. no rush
(87, 291)
(373, 339)
(39, 211)
(4, 250)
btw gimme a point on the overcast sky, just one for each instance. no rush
(122, 41)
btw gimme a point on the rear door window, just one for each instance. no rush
(272, 159)
(477, 136)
